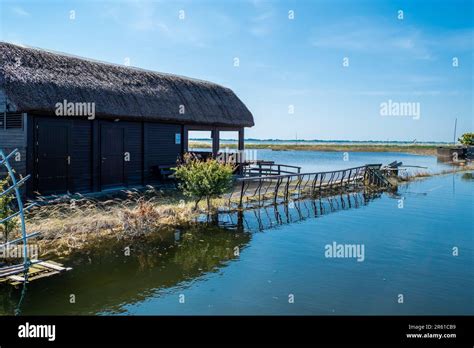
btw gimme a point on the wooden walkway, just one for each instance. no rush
(17, 274)
(257, 190)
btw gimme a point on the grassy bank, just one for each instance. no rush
(423, 174)
(71, 225)
(414, 149)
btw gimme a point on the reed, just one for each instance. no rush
(424, 174)
(69, 225)
(413, 149)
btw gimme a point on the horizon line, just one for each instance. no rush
(331, 140)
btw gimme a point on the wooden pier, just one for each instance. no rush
(256, 190)
(18, 274)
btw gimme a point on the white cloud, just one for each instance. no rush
(369, 39)
(263, 16)
(262, 24)
(19, 11)
(380, 37)
(143, 17)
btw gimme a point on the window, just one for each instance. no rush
(11, 121)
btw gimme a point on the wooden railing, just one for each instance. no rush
(293, 186)
(270, 168)
(249, 168)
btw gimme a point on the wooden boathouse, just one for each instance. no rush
(87, 126)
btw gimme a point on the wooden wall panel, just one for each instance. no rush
(11, 139)
(134, 145)
(161, 146)
(81, 156)
(149, 145)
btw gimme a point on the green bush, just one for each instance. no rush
(204, 179)
(467, 139)
(6, 210)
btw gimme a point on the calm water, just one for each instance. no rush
(318, 161)
(281, 252)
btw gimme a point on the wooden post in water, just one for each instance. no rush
(313, 184)
(341, 182)
(277, 187)
(287, 186)
(241, 194)
(321, 182)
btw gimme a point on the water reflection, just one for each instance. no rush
(467, 176)
(117, 275)
(267, 217)
(107, 279)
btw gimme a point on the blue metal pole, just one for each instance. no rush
(26, 261)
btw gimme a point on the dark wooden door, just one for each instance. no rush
(112, 145)
(52, 156)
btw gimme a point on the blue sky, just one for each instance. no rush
(284, 64)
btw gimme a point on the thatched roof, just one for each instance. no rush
(34, 80)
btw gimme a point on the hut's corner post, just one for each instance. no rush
(185, 142)
(241, 139)
(215, 142)
(241, 148)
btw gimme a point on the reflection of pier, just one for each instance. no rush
(271, 215)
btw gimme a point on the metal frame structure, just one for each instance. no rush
(15, 187)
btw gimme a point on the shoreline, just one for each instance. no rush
(76, 226)
(412, 149)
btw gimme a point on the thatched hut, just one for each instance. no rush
(86, 126)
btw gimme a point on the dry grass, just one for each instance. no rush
(414, 149)
(69, 225)
(424, 174)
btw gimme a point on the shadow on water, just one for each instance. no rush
(467, 177)
(270, 216)
(109, 278)
(106, 279)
